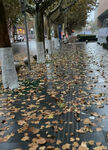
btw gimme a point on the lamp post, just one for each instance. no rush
(23, 8)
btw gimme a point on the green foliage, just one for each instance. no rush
(77, 15)
(52, 6)
(13, 12)
(74, 15)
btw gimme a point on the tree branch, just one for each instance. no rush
(46, 4)
(30, 9)
(69, 7)
(64, 10)
(56, 8)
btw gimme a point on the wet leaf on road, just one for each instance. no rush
(66, 146)
(83, 146)
(87, 121)
(41, 140)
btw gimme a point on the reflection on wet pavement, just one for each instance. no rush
(98, 65)
(66, 104)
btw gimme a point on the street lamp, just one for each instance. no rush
(23, 8)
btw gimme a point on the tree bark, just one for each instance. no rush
(48, 30)
(9, 76)
(56, 38)
(55, 31)
(13, 32)
(49, 37)
(39, 29)
(4, 36)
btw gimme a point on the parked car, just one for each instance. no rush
(20, 38)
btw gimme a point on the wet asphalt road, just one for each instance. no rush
(78, 75)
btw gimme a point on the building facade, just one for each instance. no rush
(102, 21)
(103, 13)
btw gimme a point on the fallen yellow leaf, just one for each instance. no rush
(66, 146)
(83, 146)
(75, 144)
(91, 142)
(87, 121)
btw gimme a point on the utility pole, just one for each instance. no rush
(23, 8)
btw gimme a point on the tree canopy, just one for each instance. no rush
(77, 15)
(75, 11)
(13, 12)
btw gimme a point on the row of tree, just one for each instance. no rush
(73, 13)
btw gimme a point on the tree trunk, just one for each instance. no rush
(56, 38)
(49, 37)
(39, 29)
(9, 76)
(55, 31)
(48, 30)
(4, 37)
(13, 32)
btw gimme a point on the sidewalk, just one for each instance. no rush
(60, 105)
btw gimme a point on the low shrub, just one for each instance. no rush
(83, 37)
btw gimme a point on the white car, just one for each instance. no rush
(20, 38)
